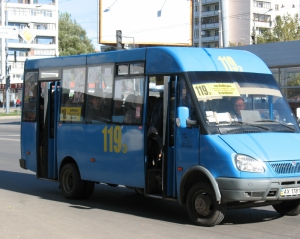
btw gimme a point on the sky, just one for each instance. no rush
(86, 15)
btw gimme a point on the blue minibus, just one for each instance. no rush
(208, 128)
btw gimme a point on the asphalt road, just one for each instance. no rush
(32, 208)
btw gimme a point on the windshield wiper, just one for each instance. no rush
(253, 125)
(274, 121)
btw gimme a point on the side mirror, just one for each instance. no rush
(183, 117)
(298, 113)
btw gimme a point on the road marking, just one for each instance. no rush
(9, 139)
(10, 135)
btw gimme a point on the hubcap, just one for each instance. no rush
(68, 181)
(203, 204)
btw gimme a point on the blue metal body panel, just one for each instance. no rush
(266, 146)
(117, 56)
(162, 60)
(186, 151)
(55, 62)
(125, 167)
(216, 156)
(29, 144)
(166, 60)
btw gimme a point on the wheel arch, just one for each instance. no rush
(65, 161)
(194, 175)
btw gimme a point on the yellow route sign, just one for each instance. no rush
(215, 89)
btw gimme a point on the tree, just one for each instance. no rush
(72, 39)
(286, 28)
(293, 80)
(235, 44)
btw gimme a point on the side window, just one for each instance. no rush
(99, 94)
(72, 101)
(30, 97)
(128, 100)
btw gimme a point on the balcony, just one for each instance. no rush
(210, 26)
(29, 19)
(48, 33)
(209, 1)
(210, 38)
(263, 24)
(210, 13)
(31, 46)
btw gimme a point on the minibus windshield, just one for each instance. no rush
(237, 98)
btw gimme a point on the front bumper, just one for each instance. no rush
(246, 190)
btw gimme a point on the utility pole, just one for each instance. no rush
(7, 74)
(119, 39)
(254, 33)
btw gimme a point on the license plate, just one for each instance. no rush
(289, 191)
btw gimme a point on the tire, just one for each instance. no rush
(203, 207)
(288, 208)
(71, 184)
(139, 191)
(88, 189)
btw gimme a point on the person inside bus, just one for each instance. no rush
(30, 111)
(107, 104)
(155, 134)
(133, 112)
(129, 117)
(118, 107)
(238, 105)
(95, 111)
(138, 105)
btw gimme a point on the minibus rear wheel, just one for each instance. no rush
(202, 206)
(71, 184)
(288, 208)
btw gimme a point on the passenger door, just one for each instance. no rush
(187, 140)
(47, 113)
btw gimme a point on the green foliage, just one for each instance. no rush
(72, 39)
(235, 44)
(286, 28)
(293, 80)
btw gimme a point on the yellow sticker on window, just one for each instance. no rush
(215, 89)
(70, 114)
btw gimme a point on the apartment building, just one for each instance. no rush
(36, 22)
(221, 23)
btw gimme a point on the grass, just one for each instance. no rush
(12, 113)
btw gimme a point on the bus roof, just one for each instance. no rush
(165, 60)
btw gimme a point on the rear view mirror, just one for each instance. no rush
(183, 119)
(183, 115)
(298, 112)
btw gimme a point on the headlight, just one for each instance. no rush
(247, 164)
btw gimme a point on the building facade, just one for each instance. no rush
(284, 62)
(36, 24)
(221, 23)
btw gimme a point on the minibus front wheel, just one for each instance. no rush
(288, 208)
(202, 206)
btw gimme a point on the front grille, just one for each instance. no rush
(290, 167)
